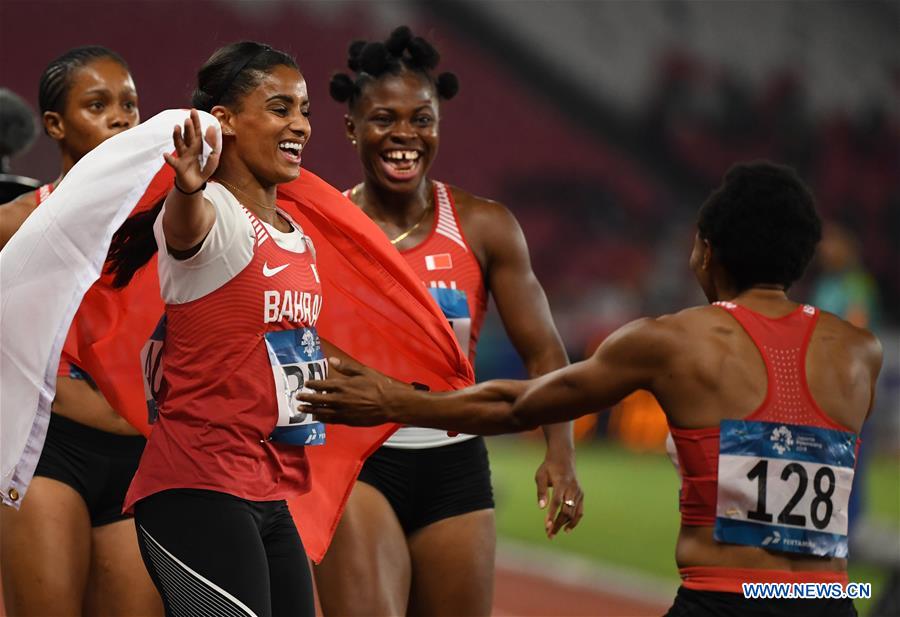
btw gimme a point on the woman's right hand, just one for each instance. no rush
(189, 176)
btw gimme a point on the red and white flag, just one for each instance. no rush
(441, 261)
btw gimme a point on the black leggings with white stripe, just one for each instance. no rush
(210, 553)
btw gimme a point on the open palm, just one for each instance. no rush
(189, 175)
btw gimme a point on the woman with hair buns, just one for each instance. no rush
(417, 536)
(69, 549)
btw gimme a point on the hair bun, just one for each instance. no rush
(398, 40)
(422, 54)
(373, 58)
(447, 85)
(341, 87)
(201, 100)
(353, 52)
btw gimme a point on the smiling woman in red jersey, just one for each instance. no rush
(418, 532)
(72, 519)
(765, 399)
(242, 297)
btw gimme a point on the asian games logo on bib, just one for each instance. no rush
(783, 439)
(310, 343)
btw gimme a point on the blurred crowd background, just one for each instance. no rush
(602, 125)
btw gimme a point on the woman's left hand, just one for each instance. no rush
(566, 506)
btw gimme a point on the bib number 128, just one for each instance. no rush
(821, 507)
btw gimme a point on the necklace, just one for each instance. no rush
(234, 189)
(406, 233)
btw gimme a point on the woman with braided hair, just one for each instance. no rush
(418, 534)
(70, 549)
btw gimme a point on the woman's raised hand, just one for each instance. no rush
(189, 176)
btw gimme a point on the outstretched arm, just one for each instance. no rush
(632, 358)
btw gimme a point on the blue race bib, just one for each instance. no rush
(455, 308)
(784, 487)
(296, 357)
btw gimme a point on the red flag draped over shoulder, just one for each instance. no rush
(378, 311)
(375, 309)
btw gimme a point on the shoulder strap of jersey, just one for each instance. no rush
(43, 193)
(258, 228)
(448, 221)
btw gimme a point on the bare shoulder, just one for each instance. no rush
(860, 342)
(488, 226)
(654, 338)
(24, 202)
(471, 207)
(698, 320)
(14, 213)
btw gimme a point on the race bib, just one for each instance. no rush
(784, 487)
(455, 308)
(151, 361)
(296, 357)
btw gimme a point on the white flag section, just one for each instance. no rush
(45, 271)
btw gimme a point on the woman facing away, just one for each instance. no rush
(72, 520)
(417, 535)
(227, 449)
(765, 399)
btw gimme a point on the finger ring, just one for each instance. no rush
(570, 503)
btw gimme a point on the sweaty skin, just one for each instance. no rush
(699, 363)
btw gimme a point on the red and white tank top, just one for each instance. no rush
(449, 269)
(779, 478)
(218, 405)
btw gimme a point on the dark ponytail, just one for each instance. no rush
(133, 245)
(402, 51)
(230, 73)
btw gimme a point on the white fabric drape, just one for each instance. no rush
(45, 271)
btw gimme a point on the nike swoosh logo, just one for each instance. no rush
(267, 271)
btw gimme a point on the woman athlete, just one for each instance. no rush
(765, 399)
(418, 535)
(242, 297)
(72, 521)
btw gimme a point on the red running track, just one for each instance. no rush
(527, 595)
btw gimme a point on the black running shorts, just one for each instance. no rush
(97, 464)
(692, 603)
(427, 485)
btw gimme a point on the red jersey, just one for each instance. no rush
(739, 476)
(219, 404)
(447, 266)
(451, 272)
